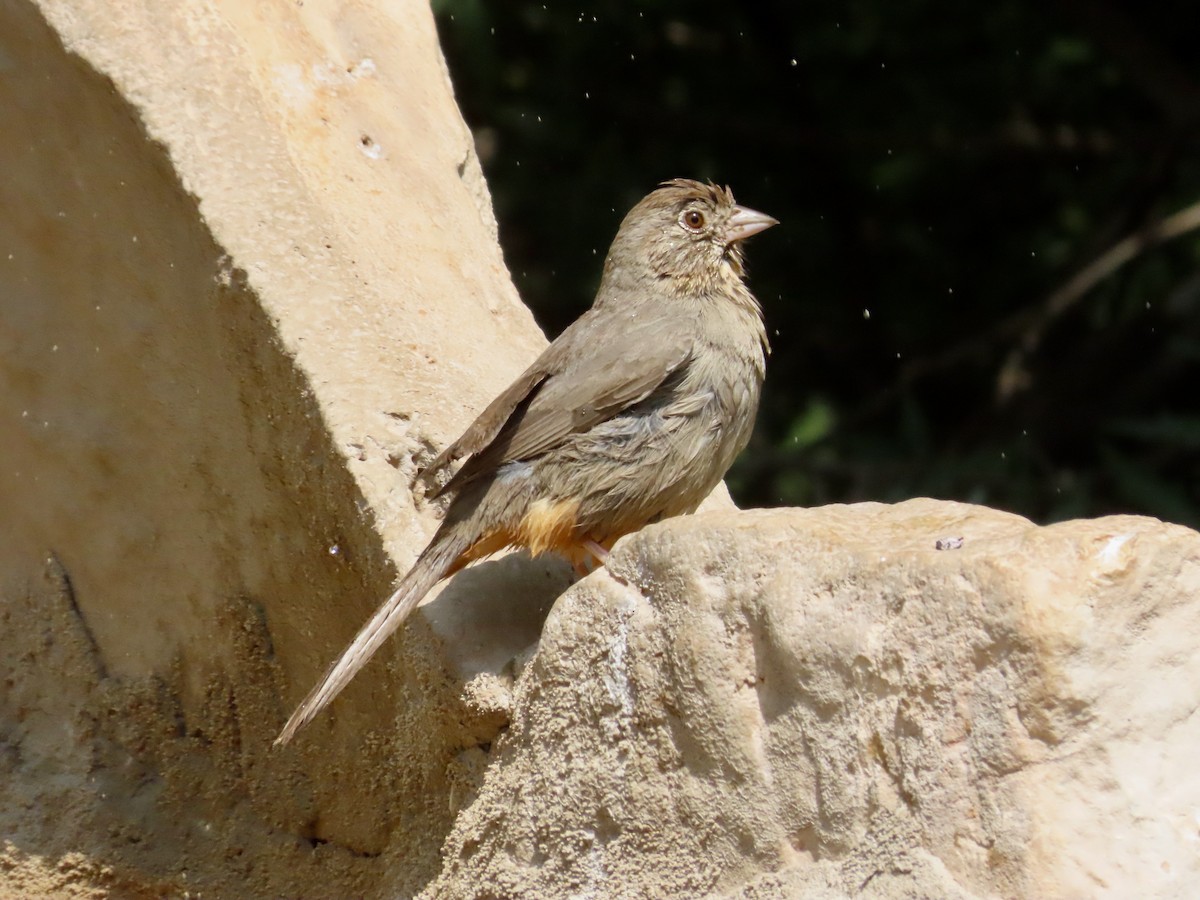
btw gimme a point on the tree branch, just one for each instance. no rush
(1012, 376)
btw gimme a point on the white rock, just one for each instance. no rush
(825, 705)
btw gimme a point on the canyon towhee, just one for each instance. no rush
(632, 415)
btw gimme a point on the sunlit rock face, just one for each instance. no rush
(821, 703)
(248, 280)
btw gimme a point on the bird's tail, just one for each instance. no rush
(442, 556)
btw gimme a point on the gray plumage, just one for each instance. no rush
(633, 414)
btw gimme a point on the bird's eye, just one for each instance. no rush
(692, 219)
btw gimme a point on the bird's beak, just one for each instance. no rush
(745, 222)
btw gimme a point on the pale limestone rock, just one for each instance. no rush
(821, 704)
(248, 279)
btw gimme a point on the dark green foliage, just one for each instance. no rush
(946, 167)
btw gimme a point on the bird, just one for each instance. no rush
(632, 415)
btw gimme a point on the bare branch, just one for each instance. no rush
(1012, 376)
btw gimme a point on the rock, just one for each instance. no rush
(819, 703)
(249, 278)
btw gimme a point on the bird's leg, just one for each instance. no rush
(597, 550)
(584, 566)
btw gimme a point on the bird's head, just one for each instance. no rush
(688, 231)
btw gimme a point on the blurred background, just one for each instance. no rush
(986, 284)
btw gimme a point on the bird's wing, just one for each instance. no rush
(488, 424)
(588, 383)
